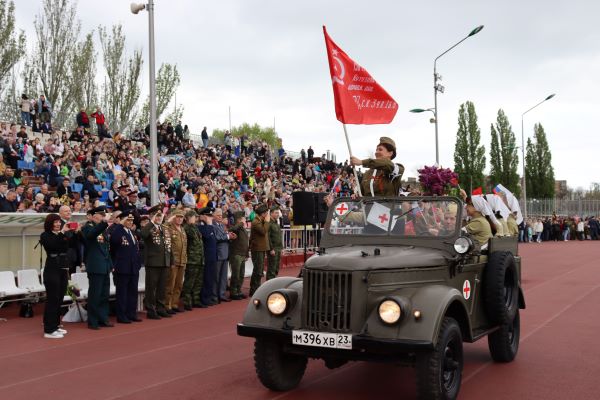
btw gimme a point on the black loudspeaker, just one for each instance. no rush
(309, 208)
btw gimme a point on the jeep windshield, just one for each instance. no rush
(402, 217)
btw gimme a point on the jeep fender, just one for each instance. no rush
(260, 316)
(433, 302)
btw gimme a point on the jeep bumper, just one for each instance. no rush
(361, 344)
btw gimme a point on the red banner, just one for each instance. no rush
(358, 97)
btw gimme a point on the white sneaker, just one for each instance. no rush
(62, 331)
(54, 335)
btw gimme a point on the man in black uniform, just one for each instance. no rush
(126, 257)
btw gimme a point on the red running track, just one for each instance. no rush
(197, 355)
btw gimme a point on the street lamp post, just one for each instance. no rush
(136, 8)
(523, 153)
(439, 88)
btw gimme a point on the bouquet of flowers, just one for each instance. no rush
(438, 181)
(73, 290)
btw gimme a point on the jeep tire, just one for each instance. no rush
(501, 288)
(504, 343)
(439, 372)
(277, 370)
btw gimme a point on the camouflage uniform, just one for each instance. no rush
(194, 271)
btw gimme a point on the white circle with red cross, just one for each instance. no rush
(467, 290)
(342, 208)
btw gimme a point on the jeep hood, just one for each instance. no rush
(352, 258)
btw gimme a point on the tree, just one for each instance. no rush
(83, 71)
(57, 31)
(167, 82)
(253, 132)
(504, 160)
(12, 44)
(122, 91)
(469, 155)
(539, 171)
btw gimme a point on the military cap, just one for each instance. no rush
(127, 214)
(261, 209)
(156, 209)
(274, 208)
(206, 211)
(98, 210)
(388, 142)
(132, 193)
(191, 213)
(239, 214)
(178, 213)
(123, 187)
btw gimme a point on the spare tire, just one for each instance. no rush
(501, 288)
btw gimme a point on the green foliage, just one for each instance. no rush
(253, 132)
(539, 171)
(504, 160)
(57, 30)
(122, 90)
(469, 154)
(167, 82)
(12, 44)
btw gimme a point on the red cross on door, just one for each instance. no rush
(467, 290)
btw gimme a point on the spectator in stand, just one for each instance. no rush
(204, 136)
(44, 109)
(89, 190)
(9, 204)
(78, 134)
(26, 109)
(64, 189)
(83, 120)
(100, 120)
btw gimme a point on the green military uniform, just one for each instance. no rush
(513, 228)
(259, 245)
(98, 265)
(157, 260)
(276, 245)
(383, 177)
(480, 229)
(194, 271)
(238, 254)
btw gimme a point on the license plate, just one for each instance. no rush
(320, 339)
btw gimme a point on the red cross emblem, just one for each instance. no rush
(341, 208)
(467, 290)
(383, 218)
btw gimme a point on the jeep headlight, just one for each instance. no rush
(390, 311)
(462, 245)
(277, 303)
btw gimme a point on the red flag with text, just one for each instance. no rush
(358, 97)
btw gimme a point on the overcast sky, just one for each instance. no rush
(266, 60)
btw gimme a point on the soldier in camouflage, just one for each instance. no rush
(194, 271)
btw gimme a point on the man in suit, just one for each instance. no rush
(126, 257)
(157, 260)
(98, 265)
(222, 255)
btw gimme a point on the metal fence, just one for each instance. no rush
(562, 207)
(295, 239)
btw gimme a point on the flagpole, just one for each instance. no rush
(353, 167)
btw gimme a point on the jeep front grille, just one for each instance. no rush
(328, 297)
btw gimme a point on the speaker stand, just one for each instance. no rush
(305, 244)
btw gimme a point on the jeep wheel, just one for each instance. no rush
(504, 343)
(277, 370)
(439, 372)
(501, 288)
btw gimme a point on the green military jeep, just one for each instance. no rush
(396, 280)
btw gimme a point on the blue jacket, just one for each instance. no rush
(125, 253)
(210, 242)
(97, 257)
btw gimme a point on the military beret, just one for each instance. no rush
(261, 209)
(98, 210)
(206, 211)
(156, 209)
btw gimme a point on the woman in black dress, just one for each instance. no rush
(55, 240)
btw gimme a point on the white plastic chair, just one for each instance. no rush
(142, 280)
(29, 280)
(8, 287)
